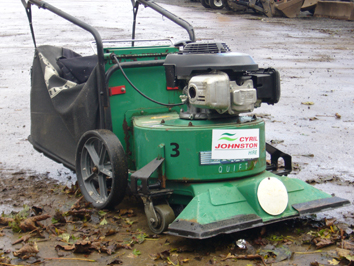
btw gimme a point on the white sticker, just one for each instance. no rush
(235, 144)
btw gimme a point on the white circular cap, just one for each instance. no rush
(272, 196)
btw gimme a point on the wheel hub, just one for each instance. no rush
(95, 169)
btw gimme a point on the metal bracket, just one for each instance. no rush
(144, 174)
(275, 154)
(150, 210)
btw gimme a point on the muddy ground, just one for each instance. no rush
(80, 235)
(313, 121)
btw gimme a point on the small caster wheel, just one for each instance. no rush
(165, 216)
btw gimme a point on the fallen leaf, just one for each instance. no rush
(136, 252)
(5, 260)
(31, 223)
(344, 253)
(22, 239)
(27, 251)
(125, 211)
(333, 262)
(66, 247)
(276, 254)
(111, 232)
(76, 205)
(338, 116)
(65, 237)
(228, 256)
(83, 247)
(59, 217)
(81, 213)
(126, 246)
(164, 254)
(103, 222)
(181, 261)
(348, 245)
(102, 213)
(72, 190)
(6, 220)
(322, 242)
(129, 222)
(155, 256)
(330, 222)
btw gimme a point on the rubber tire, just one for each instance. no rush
(165, 215)
(216, 4)
(113, 162)
(205, 3)
(229, 5)
(226, 5)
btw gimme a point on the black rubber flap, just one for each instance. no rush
(320, 205)
(191, 229)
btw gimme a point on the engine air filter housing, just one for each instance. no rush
(206, 48)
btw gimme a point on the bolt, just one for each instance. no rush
(95, 169)
(190, 124)
(152, 220)
(142, 112)
(123, 89)
(162, 121)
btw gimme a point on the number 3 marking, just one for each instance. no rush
(176, 154)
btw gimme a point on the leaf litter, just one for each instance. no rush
(75, 233)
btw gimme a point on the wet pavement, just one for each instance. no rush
(314, 57)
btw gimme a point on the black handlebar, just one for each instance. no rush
(179, 21)
(83, 25)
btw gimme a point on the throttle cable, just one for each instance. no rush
(114, 58)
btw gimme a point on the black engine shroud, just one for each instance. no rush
(198, 58)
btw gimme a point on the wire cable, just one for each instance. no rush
(114, 57)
